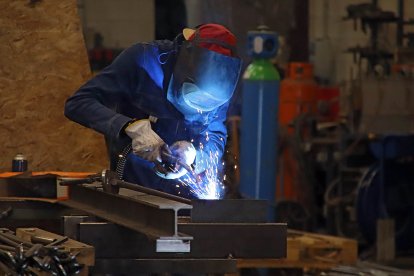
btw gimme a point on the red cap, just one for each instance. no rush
(213, 31)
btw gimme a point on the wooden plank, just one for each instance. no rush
(282, 263)
(385, 240)
(310, 251)
(86, 252)
(293, 250)
(43, 62)
(343, 250)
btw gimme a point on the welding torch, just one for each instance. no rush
(171, 162)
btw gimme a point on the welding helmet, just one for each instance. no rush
(207, 70)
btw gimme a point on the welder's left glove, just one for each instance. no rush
(145, 142)
(176, 160)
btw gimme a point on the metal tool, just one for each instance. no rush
(172, 163)
(111, 184)
(20, 257)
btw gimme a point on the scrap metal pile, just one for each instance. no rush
(20, 257)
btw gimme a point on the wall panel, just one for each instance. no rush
(42, 61)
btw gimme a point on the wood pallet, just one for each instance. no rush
(310, 251)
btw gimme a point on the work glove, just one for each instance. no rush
(145, 142)
(176, 160)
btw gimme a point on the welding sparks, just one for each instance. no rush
(209, 186)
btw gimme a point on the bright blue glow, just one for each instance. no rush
(152, 67)
(210, 185)
(200, 99)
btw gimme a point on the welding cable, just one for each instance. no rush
(332, 201)
(120, 165)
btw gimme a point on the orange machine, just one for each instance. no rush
(297, 93)
(327, 98)
(297, 101)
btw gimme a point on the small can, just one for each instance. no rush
(19, 163)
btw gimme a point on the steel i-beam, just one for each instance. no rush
(151, 215)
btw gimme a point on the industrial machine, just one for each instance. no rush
(297, 111)
(380, 126)
(347, 172)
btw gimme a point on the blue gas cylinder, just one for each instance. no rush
(259, 123)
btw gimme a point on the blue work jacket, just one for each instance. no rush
(135, 86)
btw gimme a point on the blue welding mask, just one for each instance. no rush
(202, 79)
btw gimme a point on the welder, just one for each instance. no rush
(162, 106)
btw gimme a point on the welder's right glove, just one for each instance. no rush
(145, 142)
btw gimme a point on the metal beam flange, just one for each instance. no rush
(153, 216)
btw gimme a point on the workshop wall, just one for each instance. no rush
(330, 35)
(244, 16)
(121, 23)
(42, 61)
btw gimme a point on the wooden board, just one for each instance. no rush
(310, 251)
(337, 250)
(43, 60)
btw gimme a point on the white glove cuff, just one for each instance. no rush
(138, 127)
(145, 142)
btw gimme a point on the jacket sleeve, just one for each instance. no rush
(96, 103)
(212, 142)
